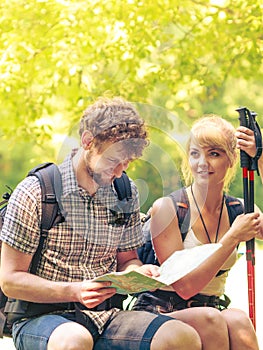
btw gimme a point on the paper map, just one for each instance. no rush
(179, 264)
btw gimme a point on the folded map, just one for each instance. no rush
(179, 264)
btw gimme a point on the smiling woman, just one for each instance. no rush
(211, 158)
(212, 141)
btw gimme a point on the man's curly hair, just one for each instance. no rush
(115, 120)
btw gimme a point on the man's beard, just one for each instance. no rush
(97, 177)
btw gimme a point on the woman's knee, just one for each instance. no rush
(175, 334)
(209, 323)
(241, 331)
(70, 336)
(213, 318)
(237, 318)
(205, 318)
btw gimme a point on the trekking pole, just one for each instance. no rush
(249, 165)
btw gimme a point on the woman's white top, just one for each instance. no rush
(217, 285)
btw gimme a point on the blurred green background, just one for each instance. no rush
(175, 60)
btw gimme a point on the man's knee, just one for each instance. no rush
(70, 336)
(175, 334)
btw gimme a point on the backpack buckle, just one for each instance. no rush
(50, 198)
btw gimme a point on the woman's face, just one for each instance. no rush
(209, 165)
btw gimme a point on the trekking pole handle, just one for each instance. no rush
(243, 119)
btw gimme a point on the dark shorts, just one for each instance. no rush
(161, 301)
(131, 330)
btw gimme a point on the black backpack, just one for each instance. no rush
(52, 214)
(181, 203)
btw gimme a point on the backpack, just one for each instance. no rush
(180, 200)
(52, 214)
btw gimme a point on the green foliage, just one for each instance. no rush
(188, 58)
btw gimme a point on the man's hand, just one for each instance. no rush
(94, 293)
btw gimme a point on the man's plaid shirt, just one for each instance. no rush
(85, 245)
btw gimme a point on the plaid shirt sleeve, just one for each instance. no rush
(21, 222)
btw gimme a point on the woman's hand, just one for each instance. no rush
(149, 270)
(246, 140)
(260, 235)
(246, 227)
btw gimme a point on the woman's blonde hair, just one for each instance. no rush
(213, 130)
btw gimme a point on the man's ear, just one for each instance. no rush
(86, 139)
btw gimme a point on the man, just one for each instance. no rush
(88, 244)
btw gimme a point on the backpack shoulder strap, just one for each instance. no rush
(122, 186)
(234, 208)
(52, 210)
(181, 204)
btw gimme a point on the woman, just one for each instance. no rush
(212, 155)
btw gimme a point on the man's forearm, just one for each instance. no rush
(26, 286)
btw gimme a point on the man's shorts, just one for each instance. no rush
(131, 330)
